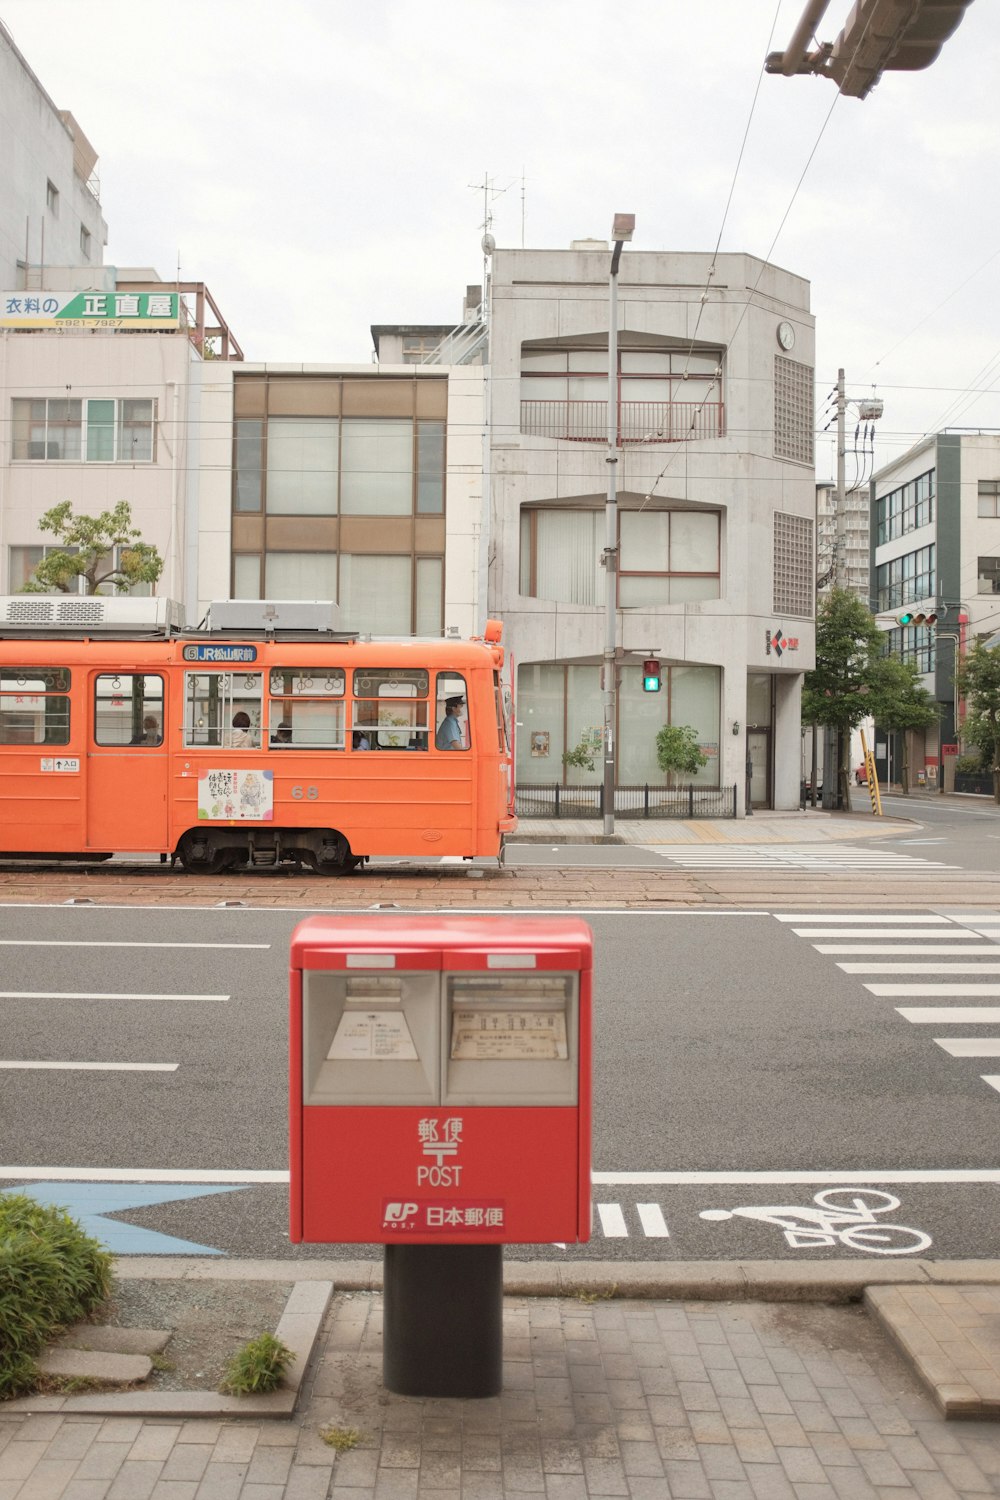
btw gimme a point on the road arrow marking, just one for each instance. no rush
(89, 1202)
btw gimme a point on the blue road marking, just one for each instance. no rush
(88, 1202)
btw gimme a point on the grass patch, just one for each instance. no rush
(341, 1439)
(257, 1367)
(582, 1295)
(51, 1274)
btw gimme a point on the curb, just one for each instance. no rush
(298, 1327)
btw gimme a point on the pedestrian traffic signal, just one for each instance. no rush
(910, 618)
(651, 675)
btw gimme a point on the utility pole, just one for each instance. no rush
(621, 233)
(831, 737)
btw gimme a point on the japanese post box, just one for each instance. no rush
(440, 1080)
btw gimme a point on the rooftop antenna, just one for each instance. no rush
(489, 190)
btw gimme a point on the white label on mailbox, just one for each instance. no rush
(481, 1035)
(382, 1036)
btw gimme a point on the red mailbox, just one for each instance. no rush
(440, 1080)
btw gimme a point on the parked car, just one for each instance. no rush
(861, 775)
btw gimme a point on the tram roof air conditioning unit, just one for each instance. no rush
(273, 614)
(89, 612)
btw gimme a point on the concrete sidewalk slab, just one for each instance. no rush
(951, 1336)
(763, 828)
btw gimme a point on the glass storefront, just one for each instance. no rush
(561, 708)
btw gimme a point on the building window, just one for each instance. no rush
(988, 574)
(665, 557)
(52, 198)
(906, 579)
(912, 643)
(299, 575)
(904, 509)
(24, 561)
(794, 570)
(794, 413)
(665, 395)
(85, 241)
(302, 462)
(989, 498)
(92, 431)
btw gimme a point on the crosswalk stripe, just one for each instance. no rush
(612, 1221)
(653, 1223)
(884, 932)
(954, 1015)
(970, 1046)
(993, 1079)
(933, 989)
(987, 949)
(920, 968)
(897, 917)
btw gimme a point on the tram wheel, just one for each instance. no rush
(198, 858)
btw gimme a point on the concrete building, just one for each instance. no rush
(716, 507)
(50, 210)
(935, 548)
(855, 570)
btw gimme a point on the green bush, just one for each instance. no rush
(971, 765)
(258, 1366)
(51, 1273)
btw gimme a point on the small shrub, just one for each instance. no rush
(51, 1273)
(257, 1367)
(971, 765)
(341, 1439)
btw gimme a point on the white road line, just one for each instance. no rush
(933, 989)
(654, 1225)
(989, 950)
(96, 1067)
(972, 968)
(94, 995)
(46, 943)
(736, 1179)
(612, 1221)
(883, 932)
(970, 1046)
(811, 916)
(928, 1176)
(137, 1174)
(993, 1079)
(950, 1015)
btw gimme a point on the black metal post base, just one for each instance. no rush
(443, 1320)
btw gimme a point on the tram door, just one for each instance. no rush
(127, 763)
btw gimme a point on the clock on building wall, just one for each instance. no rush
(786, 335)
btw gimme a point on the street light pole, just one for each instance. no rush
(621, 232)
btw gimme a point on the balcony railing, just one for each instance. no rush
(638, 421)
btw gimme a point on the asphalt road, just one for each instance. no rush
(737, 1069)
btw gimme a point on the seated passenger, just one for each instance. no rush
(360, 741)
(150, 732)
(283, 734)
(241, 736)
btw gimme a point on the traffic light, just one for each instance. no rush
(651, 675)
(908, 617)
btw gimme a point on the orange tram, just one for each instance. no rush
(263, 736)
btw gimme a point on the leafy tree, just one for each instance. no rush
(678, 751)
(978, 681)
(839, 691)
(903, 704)
(87, 546)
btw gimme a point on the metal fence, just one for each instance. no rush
(630, 801)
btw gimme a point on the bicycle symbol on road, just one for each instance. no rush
(842, 1216)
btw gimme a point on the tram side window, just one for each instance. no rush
(451, 714)
(222, 710)
(306, 711)
(33, 708)
(391, 709)
(128, 709)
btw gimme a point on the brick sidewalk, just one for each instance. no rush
(648, 1399)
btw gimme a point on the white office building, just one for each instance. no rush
(715, 494)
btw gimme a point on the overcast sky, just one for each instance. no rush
(313, 161)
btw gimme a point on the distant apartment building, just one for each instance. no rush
(854, 571)
(935, 548)
(715, 507)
